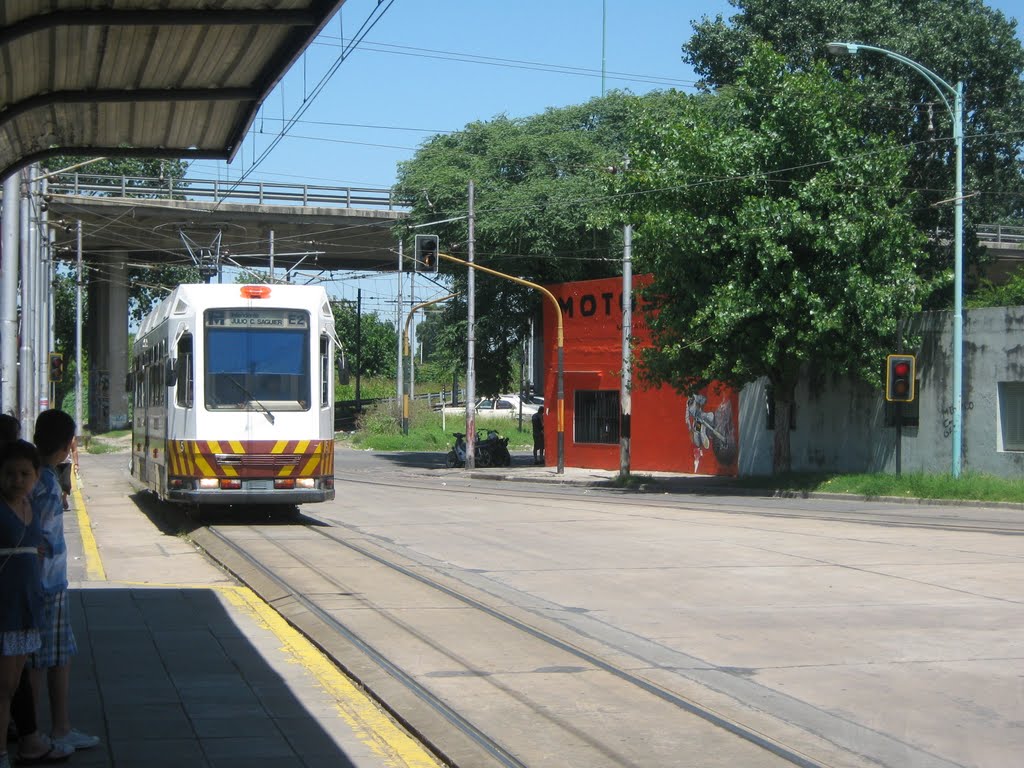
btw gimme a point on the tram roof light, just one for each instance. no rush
(255, 291)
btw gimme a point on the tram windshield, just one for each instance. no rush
(257, 359)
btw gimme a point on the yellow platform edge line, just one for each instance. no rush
(94, 570)
(372, 726)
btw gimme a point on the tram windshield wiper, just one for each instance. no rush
(252, 399)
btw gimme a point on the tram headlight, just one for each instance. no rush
(305, 482)
(209, 483)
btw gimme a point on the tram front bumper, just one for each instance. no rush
(251, 492)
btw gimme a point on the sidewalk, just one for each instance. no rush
(179, 666)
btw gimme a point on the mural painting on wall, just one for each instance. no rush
(672, 432)
(711, 423)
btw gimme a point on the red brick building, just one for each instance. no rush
(669, 432)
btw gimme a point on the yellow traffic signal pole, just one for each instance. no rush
(561, 351)
(405, 351)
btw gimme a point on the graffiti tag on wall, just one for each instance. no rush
(947, 417)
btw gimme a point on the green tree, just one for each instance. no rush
(377, 352)
(777, 234)
(541, 215)
(64, 330)
(958, 40)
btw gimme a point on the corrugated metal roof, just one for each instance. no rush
(176, 78)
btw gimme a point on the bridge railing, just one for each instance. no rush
(1001, 234)
(218, 190)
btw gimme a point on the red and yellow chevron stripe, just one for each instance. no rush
(253, 458)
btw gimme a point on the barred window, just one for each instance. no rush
(1011, 414)
(597, 416)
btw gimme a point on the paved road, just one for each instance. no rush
(849, 633)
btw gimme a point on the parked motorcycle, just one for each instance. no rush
(490, 451)
(498, 446)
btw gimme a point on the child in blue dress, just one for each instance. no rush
(21, 607)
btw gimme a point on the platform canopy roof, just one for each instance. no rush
(148, 78)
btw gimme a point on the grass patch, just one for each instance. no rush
(115, 441)
(97, 446)
(968, 487)
(380, 428)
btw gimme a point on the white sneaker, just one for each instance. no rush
(75, 739)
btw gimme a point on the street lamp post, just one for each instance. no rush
(956, 110)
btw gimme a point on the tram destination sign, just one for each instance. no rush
(256, 318)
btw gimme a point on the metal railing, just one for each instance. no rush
(259, 192)
(1000, 234)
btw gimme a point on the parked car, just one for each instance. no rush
(504, 406)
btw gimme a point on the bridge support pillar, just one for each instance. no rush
(108, 346)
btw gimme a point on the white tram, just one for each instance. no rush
(234, 395)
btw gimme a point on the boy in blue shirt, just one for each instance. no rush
(54, 433)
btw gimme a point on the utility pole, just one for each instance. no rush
(626, 395)
(398, 325)
(359, 347)
(26, 364)
(471, 340)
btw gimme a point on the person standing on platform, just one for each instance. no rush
(33, 746)
(54, 434)
(20, 586)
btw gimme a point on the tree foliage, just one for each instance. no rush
(777, 234)
(377, 352)
(541, 214)
(956, 39)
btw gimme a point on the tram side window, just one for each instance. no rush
(185, 396)
(137, 380)
(325, 370)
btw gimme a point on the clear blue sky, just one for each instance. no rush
(456, 77)
(429, 66)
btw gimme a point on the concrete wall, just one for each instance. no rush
(840, 425)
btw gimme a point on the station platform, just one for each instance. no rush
(178, 665)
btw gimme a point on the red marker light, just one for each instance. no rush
(255, 291)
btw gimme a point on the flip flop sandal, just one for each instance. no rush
(54, 755)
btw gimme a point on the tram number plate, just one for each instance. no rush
(261, 485)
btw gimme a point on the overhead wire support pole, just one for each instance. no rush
(560, 339)
(626, 397)
(400, 378)
(470, 332)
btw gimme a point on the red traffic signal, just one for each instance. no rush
(899, 378)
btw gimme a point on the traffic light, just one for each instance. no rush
(56, 367)
(899, 378)
(425, 254)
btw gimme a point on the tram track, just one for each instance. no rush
(331, 605)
